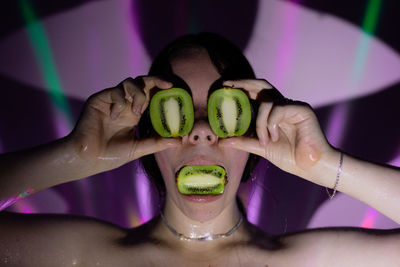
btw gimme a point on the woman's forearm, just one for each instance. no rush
(374, 184)
(25, 172)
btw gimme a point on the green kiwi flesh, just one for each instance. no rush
(171, 112)
(229, 112)
(201, 180)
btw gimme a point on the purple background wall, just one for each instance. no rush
(340, 56)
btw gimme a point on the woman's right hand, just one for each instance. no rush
(105, 133)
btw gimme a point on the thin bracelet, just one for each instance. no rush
(339, 171)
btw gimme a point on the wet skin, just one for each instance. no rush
(59, 240)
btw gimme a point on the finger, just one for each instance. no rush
(146, 83)
(134, 95)
(153, 145)
(244, 143)
(253, 86)
(261, 122)
(118, 102)
(153, 81)
(137, 90)
(150, 82)
(276, 117)
(287, 116)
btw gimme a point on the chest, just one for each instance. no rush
(155, 255)
(223, 259)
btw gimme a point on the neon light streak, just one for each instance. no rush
(5, 203)
(341, 113)
(41, 47)
(369, 219)
(371, 16)
(369, 27)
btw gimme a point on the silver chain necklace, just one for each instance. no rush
(202, 238)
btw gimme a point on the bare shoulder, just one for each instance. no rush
(51, 240)
(343, 246)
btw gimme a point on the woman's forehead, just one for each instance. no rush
(197, 71)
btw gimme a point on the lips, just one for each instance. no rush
(201, 198)
(215, 186)
(202, 160)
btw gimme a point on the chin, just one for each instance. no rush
(202, 212)
(202, 208)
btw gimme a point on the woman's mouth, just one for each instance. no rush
(201, 183)
(201, 198)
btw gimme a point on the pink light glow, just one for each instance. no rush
(19, 206)
(288, 41)
(144, 196)
(254, 204)
(256, 193)
(336, 126)
(27, 209)
(396, 159)
(369, 219)
(133, 217)
(62, 125)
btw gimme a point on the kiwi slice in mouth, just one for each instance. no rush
(229, 112)
(201, 180)
(171, 112)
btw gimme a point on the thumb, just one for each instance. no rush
(247, 144)
(152, 145)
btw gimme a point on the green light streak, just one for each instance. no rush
(369, 26)
(41, 47)
(371, 16)
(370, 21)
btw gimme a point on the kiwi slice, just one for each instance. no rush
(229, 112)
(201, 180)
(171, 112)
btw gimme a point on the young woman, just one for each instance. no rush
(200, 230)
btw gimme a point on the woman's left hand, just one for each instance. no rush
(288, 132)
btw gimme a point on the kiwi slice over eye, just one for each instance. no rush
(229, 112)
(201, 180)
(171, 112)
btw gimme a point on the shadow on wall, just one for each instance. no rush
(174, 18)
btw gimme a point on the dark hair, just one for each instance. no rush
(229, 62)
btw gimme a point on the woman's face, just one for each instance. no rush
(200, 147)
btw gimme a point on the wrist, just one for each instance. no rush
(78, 157)
(326, 171)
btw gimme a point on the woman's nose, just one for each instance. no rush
(202, 134)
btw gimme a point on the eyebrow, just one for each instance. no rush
(179, 82)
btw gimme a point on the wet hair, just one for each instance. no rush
(230, 64)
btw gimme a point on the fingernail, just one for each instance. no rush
(262, 141)
(167, 84)
(129, 98)
(172, 143)
(274, 133)
(227, 83)
(114, 115)
(137, 109)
